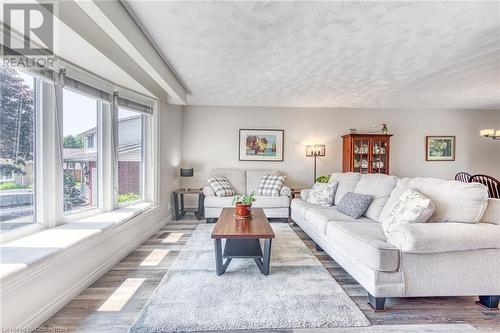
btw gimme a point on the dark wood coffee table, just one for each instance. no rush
(242, 239)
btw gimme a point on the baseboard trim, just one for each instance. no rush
(48, 311)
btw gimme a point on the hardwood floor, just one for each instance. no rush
(112, 303)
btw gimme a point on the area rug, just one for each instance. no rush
(298, 293)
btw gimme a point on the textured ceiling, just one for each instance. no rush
(330, 54)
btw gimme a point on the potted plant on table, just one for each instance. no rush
(243, 205)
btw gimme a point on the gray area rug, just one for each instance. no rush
(298, 293)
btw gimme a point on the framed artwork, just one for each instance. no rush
(439, 148)
(261, 145)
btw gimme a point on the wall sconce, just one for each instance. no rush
(490, 133)
(315, 151)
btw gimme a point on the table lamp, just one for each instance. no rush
(186, 172)
(315, 151)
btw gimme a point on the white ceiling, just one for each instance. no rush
(330, 54)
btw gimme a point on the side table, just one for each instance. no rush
(295, 193)
(180, 210)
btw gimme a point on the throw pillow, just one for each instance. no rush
(221, 186)
(270, 186)
(411, 207)
(322, 194)
(354, 204)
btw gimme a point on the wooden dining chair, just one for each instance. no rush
(491, 183)
(463, 177)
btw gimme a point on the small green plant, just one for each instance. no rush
(244, 199)
(10, 186)
(323, 179)
(127, 197)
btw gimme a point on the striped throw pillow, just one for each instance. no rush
(221, 186)
(270, 185)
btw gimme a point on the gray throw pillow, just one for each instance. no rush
(354, 204)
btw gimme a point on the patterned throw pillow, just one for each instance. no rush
(221, 186)
(354, 204)
(322, 194)
(270, 185)
(411, 207)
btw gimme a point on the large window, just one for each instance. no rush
(70, 148)
(130, 156)
(80, 154)
(17, 151)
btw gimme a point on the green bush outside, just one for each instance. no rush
(127, 197)
(10, 186)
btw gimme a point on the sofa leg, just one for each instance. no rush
(377, 303)
(318, 248)
(211, 220)
(491, 302)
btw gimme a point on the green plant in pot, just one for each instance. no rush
(243, 204)
(323, 179)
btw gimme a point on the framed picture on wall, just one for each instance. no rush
(261, 145)
(439, 148)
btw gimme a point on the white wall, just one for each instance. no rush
(210, 139)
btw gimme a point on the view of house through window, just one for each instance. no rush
(80, 156)
(17, 137)
(130, 156)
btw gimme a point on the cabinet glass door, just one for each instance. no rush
(380, 153)
(361, 155)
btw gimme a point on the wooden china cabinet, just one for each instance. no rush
(366, 153)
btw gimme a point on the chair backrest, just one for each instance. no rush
(463, 177)
(491, 183)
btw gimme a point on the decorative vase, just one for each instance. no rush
(243, 210)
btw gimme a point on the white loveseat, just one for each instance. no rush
(456, 253)
(246, 182)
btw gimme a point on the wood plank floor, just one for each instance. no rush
(112, 303)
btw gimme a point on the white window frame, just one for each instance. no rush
(148, 159)
(48, 208)
(69, 216)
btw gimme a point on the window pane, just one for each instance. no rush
(130, 156)
(17, 137)
(80, 152)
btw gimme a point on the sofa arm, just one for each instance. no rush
(208, 192)
(444, 237)
(285, 191)
(304, 194)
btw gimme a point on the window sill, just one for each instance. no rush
(25, 252)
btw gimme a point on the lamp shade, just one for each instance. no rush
(187, 172)
(315, 150)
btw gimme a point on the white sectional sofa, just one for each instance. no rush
(246, 182)
(456, 253)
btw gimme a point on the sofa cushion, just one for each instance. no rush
(300, 207)
(319, 217)
(354, 204)
(221, 186)
(444, 237)
(347, 183)
(454, 201)
(380, 187)
(235, 177)
(366, 242)
(270, 185)
(254, 176)
(322, 194)
(492, 212)
(271, 202)
(412, 207)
